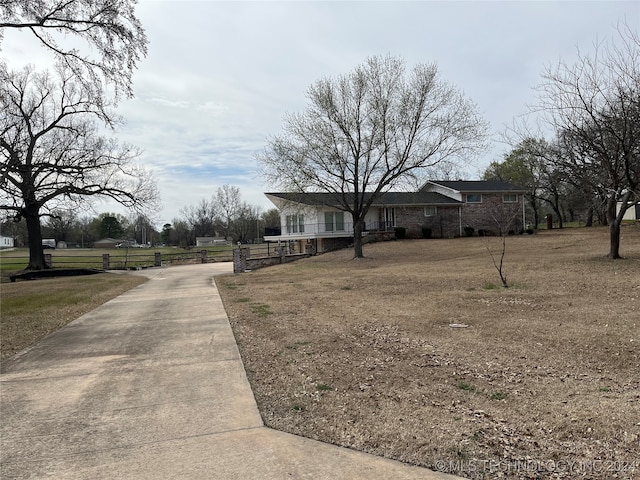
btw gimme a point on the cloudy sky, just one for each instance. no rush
(220, 76)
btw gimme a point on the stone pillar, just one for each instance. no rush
(48, 260)
(157, 260)
(240, 259)
(105, 261)
(203, 256)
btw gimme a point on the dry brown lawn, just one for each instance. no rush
(543, 383)
(30, 310)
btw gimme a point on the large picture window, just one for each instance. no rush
(510, 198)
(474, 198)
(295, 223)
(333, 221)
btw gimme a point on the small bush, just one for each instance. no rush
(400, 232)
(498, 396)
(529, 231)
(467, 387)
(468, 231)
(426, 232)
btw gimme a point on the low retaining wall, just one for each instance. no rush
(242, 261)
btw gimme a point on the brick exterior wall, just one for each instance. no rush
(490, 215)
(493, 214)
(444, 224)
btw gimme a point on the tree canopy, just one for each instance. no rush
(114, 40)
(371, 130)
(593, 106)
(53, 153)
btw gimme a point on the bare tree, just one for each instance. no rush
(62, 223)
(201, 218)
(109, 28)
(368, 131)
(53, 154)
(501, 216)
(594, 107)
(245, 222)
(229, 205)
(181, 233)
(271, 218)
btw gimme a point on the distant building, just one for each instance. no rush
(633, 212)
(6, 242)
(106, 243)
(211, 241)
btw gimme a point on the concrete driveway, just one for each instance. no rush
(151, 386)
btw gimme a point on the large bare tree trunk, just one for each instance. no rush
(614, 243)
(589, 220)
(36, 253)
(536, 214)
(357, 239)
(614, 227)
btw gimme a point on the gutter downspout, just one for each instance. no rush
(460, 219)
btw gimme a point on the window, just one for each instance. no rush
(334, 221)
(474, 198)
(430, 211)
(390, 217)
(295, 223)
(510, 198)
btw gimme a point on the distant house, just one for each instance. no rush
(632, 213)
(313, 222)
(211, 241)
(6, 242)
(106, 243)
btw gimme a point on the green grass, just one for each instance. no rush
(323, 387)
(261, 310)
(233, 285)
(16, 305)
(498, 396)
(467, 387)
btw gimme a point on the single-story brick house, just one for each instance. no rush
(313, 221)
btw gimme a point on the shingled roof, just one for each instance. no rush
(478, 186)
(385, 199)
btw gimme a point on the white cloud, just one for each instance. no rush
(220, 76)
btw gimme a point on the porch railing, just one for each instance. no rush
(338, 230)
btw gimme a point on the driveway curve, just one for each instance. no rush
(151, 386)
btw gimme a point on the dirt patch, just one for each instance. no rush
(544, 380)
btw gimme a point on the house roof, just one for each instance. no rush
(385, 199)
(107, 240)
(478, 185)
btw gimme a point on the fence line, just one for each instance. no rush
(108, 261)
